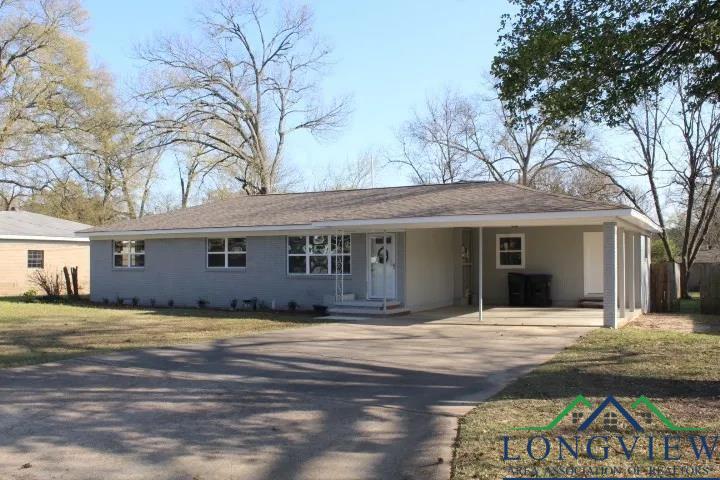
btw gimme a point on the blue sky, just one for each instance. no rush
(389, 55)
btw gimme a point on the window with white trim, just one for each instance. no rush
(129, 253)
(510, 250)
(226, 252)
(319, 254)
(36, 259)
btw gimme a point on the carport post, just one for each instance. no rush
(480, 272)
(610, 267)
(630, 271)
(621, 271)
(385, 260)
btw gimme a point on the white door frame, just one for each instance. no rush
(594, 257)
(368, 251)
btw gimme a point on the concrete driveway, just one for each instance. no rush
(333, 401)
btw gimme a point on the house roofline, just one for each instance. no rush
(626, 215)
(44, 238)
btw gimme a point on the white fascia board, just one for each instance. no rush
(199, 232)
(592, 217)
(644, 222)
(42, 238)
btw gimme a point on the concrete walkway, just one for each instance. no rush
(334, 401)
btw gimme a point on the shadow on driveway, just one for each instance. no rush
(330, 401)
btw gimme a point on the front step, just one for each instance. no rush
(591, 302)
(366, 304)
(367, 308)
(367, 312)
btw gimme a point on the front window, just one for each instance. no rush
(511, 251)
(319, 255)
(226, 252)
(129, 253)
(36, 259)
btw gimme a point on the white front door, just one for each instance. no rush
(593, 263)
(381, 265)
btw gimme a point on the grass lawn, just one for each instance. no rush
(673, 359)
(42, 332)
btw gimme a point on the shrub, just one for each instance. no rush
(202, 303)
(49, 282)
(106, 301)
(234, 303)
(30, 296)
(152, 302)
(250, 303)
(119, 301)
(320, 309)
(171, 303)
(292, 305)
(135, 301)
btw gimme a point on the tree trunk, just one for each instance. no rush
(74, 274)
(684, 273)
(68, 285)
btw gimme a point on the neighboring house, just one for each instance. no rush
(398, 248)
(710, 256)
(30, 241)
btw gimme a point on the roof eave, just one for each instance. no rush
(44, 238)
(628, 215)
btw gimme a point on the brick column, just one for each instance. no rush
(610, 264)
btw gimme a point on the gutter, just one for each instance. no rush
(43, 238)
(595, 217)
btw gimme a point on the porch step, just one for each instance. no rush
(367, 312)
(591, 302)
(366, 304)
(367, 308)
(342, 318)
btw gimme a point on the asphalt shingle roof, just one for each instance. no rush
(27, 224)
(477, 198)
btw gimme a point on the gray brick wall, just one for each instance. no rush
(176, 268)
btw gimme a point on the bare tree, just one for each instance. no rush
(578, 182)
(675, 160)
(527, 147)
(241, 88)
(194, 163)
(116, 155)
(459, 138)
(8, 196)
(357, 173)
(430, 143)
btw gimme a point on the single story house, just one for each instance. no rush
(395, 249)
(30, 241)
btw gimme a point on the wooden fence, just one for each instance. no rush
(664, 286)
(709, 288)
